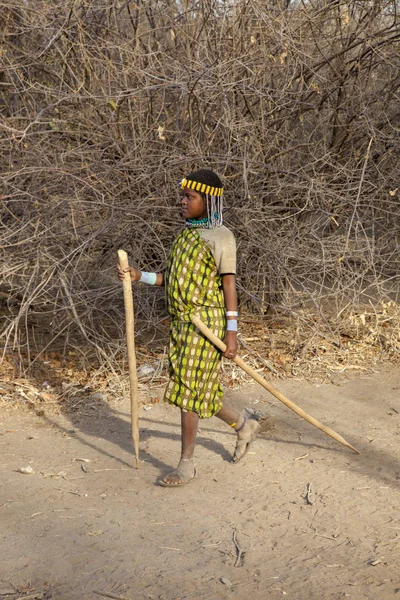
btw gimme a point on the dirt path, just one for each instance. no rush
(73, 527)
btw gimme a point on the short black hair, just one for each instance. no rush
(205, 176)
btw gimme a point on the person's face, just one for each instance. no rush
(193, 205)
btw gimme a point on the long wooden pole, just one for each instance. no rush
(130, 342)
(257, 377)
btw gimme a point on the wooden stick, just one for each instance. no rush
(109, 595)
(257, 377)
(130, 341)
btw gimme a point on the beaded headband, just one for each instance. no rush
(203, 188)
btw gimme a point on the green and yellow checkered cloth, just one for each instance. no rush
(193, 286)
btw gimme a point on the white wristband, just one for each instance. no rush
(232, 313)
(232, 325)
(149, 278)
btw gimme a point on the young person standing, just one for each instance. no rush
(200, 280)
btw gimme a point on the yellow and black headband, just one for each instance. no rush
(203, 188)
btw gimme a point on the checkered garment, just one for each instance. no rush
(193, 287)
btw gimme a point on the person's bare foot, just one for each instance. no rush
(183, 474)
(246, 433)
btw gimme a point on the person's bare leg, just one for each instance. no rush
(246, 428)
(230, 416)
(185, 470)
(189, 426)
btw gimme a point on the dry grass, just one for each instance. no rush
(105, 106)
(278, 350)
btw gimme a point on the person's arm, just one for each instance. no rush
(136, 275)
(230, 298)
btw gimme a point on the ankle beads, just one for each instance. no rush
(241, 427)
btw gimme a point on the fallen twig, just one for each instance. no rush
(308, 494)
(35, 596)
(240, 553)
(100, 470)
(301, 457)
(326, 537)
(108, 595)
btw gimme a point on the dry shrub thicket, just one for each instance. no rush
(106, 104)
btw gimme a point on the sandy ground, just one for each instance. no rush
(311, 519)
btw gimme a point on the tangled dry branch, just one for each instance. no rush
(106, 104)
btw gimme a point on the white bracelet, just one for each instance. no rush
(149, 278)
(232, 325)
(232, 313)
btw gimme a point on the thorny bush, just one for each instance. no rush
(106, 104)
